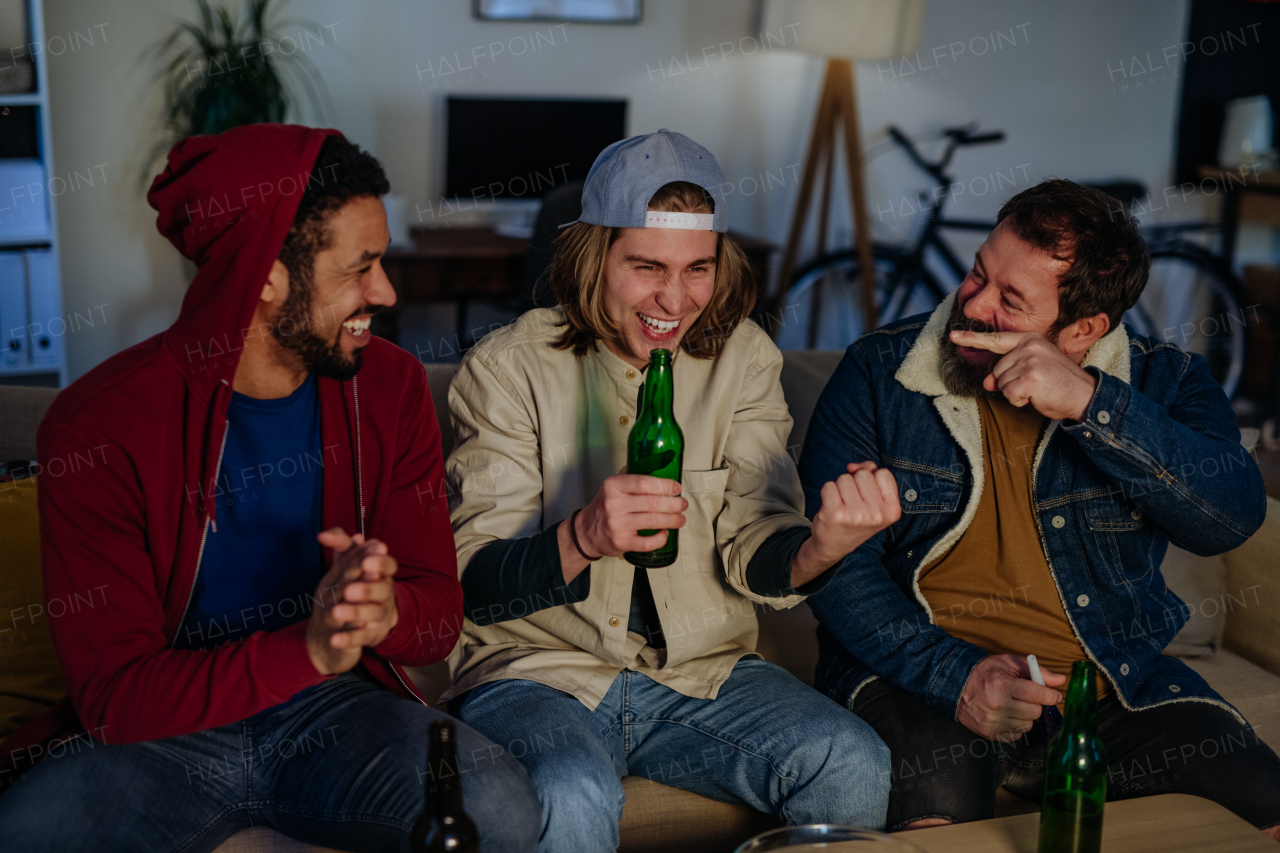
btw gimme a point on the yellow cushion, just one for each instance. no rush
(30, 679)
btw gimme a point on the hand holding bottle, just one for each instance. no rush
(609, 526)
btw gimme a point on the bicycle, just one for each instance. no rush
(1191, 298)
(1194, 300)
(901, 272)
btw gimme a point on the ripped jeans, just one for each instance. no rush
(943, 770)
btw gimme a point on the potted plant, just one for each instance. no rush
(220, 72)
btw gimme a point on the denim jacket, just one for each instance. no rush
(1157, 459)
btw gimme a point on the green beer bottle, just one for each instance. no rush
(1075, 772)
(444, 827)
(656, 447)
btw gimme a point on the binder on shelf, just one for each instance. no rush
(14, 350)
(24, 201)
(46, 326)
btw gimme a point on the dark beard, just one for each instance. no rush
(293, 330)
(961, 377)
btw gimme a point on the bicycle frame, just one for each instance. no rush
(1166, 241)
(929, 238)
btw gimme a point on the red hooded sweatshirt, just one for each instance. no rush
(129, 456)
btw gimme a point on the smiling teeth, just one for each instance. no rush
(659, 325)
(357, 327)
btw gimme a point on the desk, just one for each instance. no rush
(461, 264)
(1167, 823)
(454, 265)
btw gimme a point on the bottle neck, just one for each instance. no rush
(1082, 698)
(444, 784)
(658, 387)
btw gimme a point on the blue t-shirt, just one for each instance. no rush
(260, 569)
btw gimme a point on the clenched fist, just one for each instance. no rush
(855, 506)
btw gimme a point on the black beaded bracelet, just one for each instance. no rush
(573, 532)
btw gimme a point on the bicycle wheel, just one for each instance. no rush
(1193, 301)
(823, 307)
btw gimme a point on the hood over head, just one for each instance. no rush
(226, 202)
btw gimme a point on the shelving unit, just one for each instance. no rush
(33, 327)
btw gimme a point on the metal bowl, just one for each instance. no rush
(827, 837)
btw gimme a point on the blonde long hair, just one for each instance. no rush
(577, 279)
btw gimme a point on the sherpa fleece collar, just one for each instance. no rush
(919, 372)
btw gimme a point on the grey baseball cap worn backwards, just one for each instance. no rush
(626, 175)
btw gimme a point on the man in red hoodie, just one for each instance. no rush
(264, 522)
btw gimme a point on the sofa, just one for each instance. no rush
(1238, 651)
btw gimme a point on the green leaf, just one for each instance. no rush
(201, 92)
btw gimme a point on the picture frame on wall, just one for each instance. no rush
(574, 11)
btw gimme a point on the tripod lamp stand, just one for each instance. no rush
(843, 31)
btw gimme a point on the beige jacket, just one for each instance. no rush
(537, 431)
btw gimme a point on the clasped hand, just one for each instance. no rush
(355, 602)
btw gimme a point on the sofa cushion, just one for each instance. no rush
(1200, 583)
(29, 668)
(1253, 586)
(21, 410)
(1253, 690)
(804, 375)
(264, 839)
(658, 817)
(438, 378)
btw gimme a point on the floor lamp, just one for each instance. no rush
(843, 31)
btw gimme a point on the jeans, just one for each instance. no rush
(943, 770)
(342, 766)
(766, 740)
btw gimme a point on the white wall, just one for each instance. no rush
(1051, 92)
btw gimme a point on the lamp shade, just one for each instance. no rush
(852, 29)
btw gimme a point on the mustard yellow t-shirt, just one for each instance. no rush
(994, 587)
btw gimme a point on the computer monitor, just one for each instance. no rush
(521, 148)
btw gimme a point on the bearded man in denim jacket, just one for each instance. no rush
(1045, 458)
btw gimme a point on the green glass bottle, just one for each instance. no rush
(1075, 772)
(444, 827)
(656, 447)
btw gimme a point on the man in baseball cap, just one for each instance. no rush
(581, 665)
